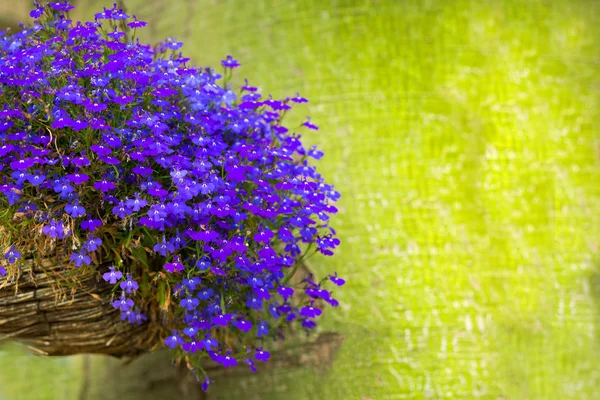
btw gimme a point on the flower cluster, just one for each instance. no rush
(117, 153)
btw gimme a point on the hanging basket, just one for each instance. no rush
(71, 318)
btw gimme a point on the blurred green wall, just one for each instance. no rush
(463, 136)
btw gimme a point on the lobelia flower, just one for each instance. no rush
(230, 62)
(123, 303)
(129, 285)
(80, 258)
(112, 276)
(54, 229)
(250, 364)
(75, 210)
(193, 346)
(263, 329)
(285, 292)
(243, 325)
(90, 224)
(310, 312)
(92, 243)
(228, 361)
(189, 303)
(262, 355)
(174, 340)
(12, 255)
(338, 281)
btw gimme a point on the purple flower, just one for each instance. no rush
(136, 24)
(205, 294)
(136, 204)
(104, 186)
(23, 164)
(263, 329)
(36, 179)
(75, 210)
(12, 255)
(129, 285)
(121, 210)
(174, 340)
(37, 12)
(230, 62)
(262, 355)
(310, 125)
(112, 276)
(285, 292)
(243, 325)
(174, 267)
(338, 281)
(2, 271)
(91, 224)
(61, 6)
(205, 384)
(222, 319)
(190, 331)
(123, 303)
(228, 361)
(92, 243)
(193, 346)
(299, 99)
(78, 178)
(310, 312)
(78, 124)
(54, 229)
(100, 150)
(189, 303)
(80, 258)
(209, 343)
(80, 162)
(164, 249)
(264, 236)
(191, 283)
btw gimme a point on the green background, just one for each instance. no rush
(463, 136)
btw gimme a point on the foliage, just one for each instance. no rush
(115, 153)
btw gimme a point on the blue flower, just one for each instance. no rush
(80, 258)
(75, 210)
(230, 62)
(262, 355)
(338, 281)
(263, 329)
(112, 276)
(12, 255)
(174, 340)
(123, 303)
(129, 285)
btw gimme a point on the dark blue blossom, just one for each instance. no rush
(263, 329)
(174, 340)
(230, 62)
(75, 210)
(129, 285)
(338, 281)
(262, 355)
(112, 276)
(123, 303)
(54, 229)
(12, 255)
(81, 258)
(310, 312)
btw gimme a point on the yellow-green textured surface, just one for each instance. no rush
(463, 136)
